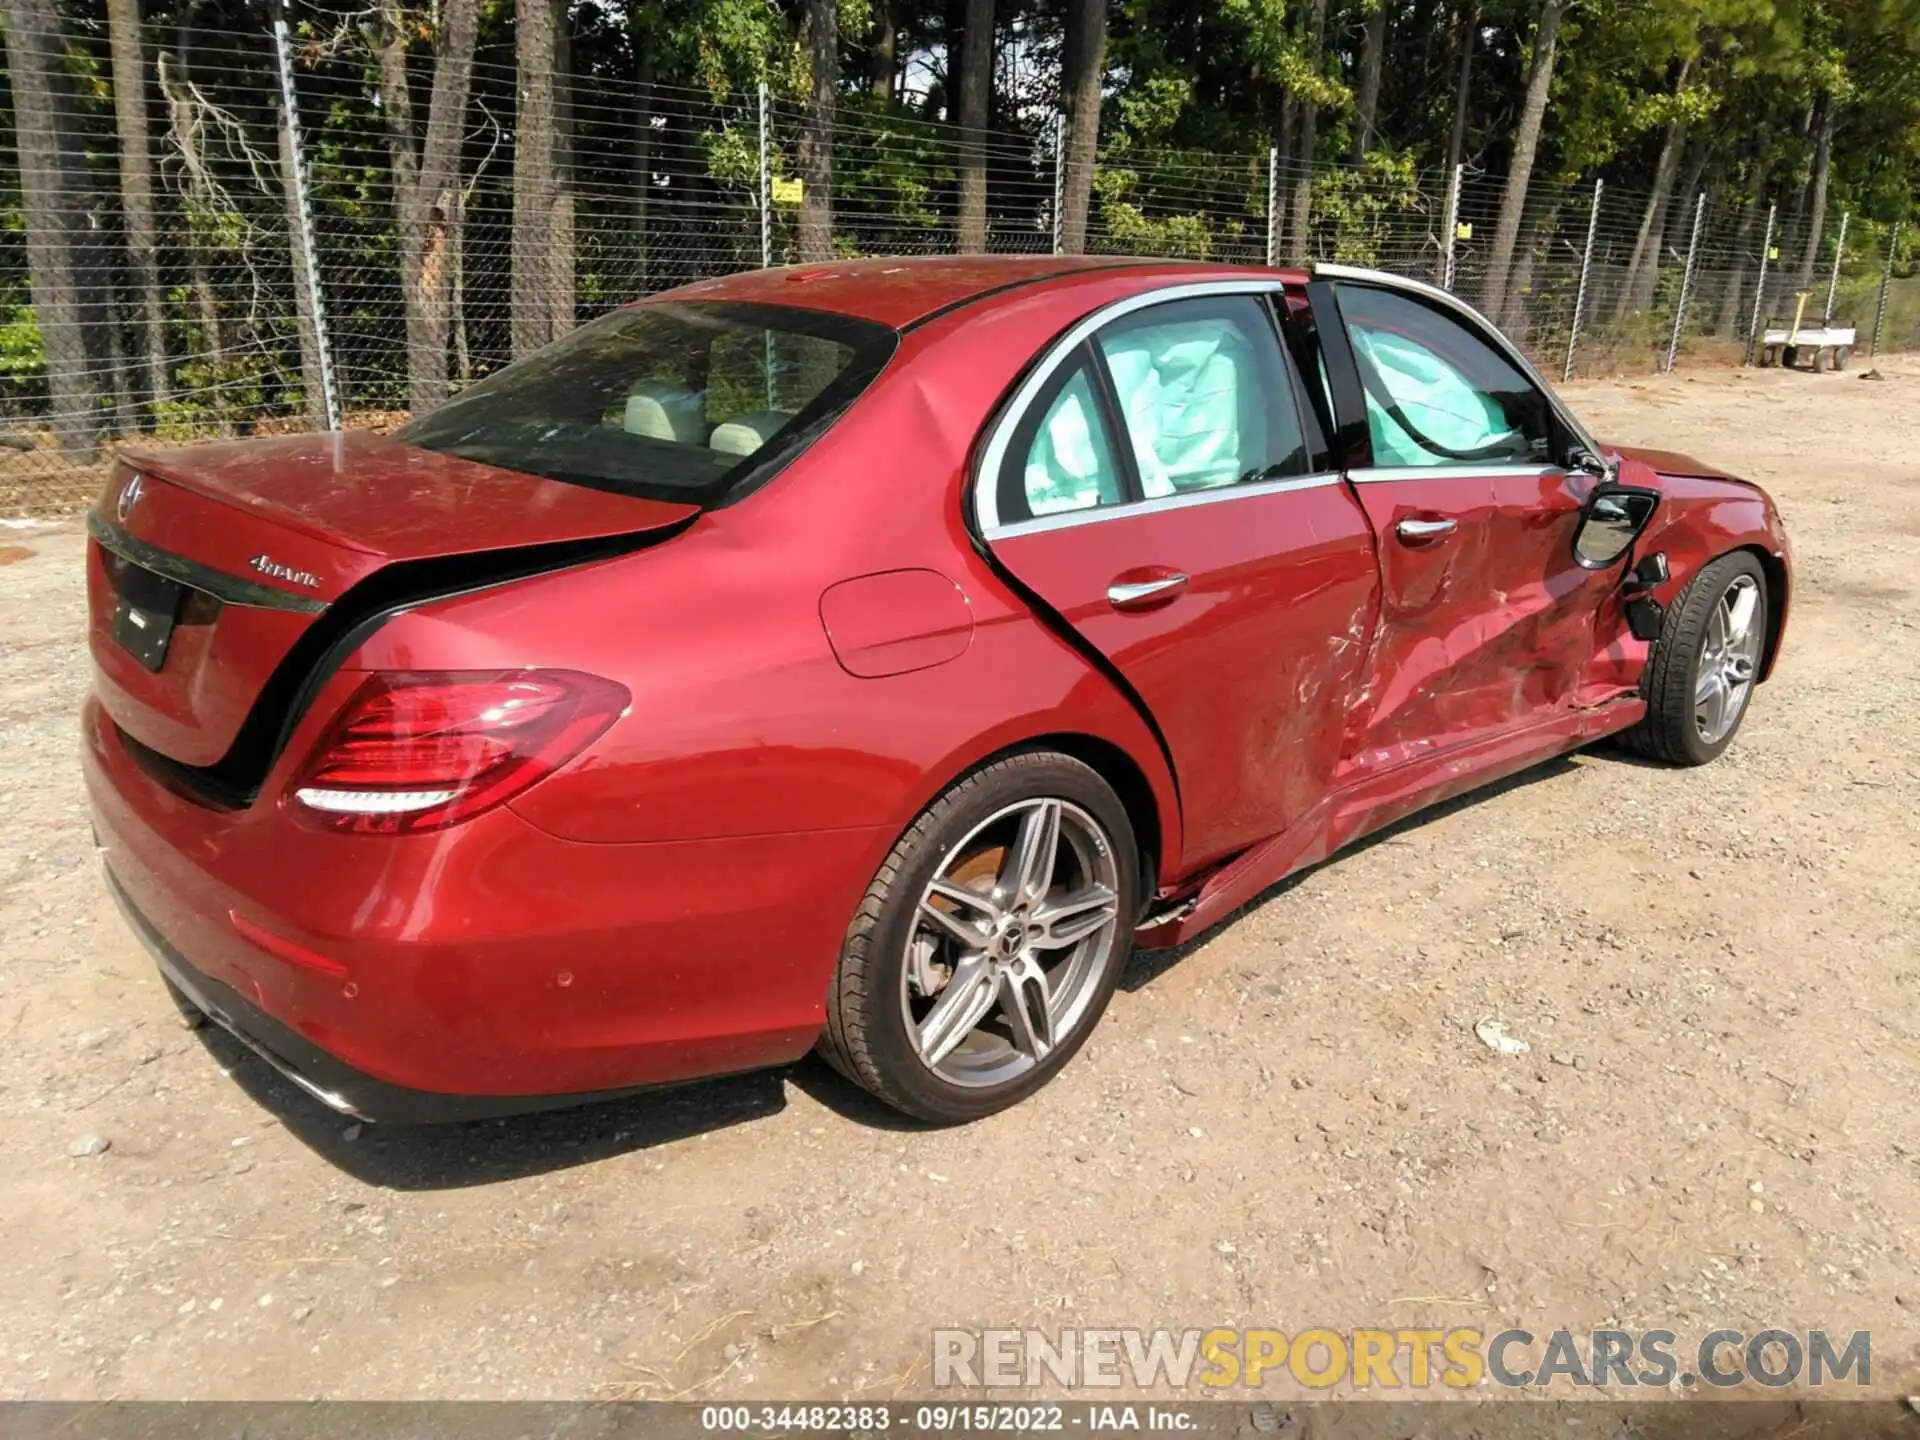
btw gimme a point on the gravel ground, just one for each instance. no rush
(1288, 1123)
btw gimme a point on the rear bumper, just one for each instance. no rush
(325, 1077)
(484, 969)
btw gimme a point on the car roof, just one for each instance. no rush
(904, 290)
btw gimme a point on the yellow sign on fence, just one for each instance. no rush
(788, 192)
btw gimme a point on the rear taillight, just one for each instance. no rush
(416, 751)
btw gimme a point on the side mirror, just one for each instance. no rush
(1613, 519)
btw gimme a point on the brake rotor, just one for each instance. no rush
(927, 971)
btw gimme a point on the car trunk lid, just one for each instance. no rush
(212, 562)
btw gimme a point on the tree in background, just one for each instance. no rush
(820, 35)
(1526, 142)
(135, 154)
(54, 183)
(426, 182)
(542, 291)
(976, 97)
(1082, 69)
(445, 143)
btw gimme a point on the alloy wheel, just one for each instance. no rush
(1729, 659)
(1010, 941)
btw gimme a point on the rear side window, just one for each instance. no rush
(677, 401)
(1062, 458)
(1437, 394)
(1204, 395)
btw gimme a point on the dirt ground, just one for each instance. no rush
(1290, 1123)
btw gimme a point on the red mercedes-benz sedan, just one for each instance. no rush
(867, 657)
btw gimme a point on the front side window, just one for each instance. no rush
(1437, 394)
(1203, 392)
(676, 401)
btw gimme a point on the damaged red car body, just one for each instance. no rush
(864, 657)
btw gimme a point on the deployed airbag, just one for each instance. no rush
(1179, 386)
(1436, 400)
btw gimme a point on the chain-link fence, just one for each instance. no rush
(360, 262)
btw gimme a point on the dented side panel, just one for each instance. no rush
(1703, 518)
(1251, 669)
(1484, 626)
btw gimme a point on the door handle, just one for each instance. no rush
(1414, 531)
(1145, 594)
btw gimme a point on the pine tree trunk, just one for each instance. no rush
(1302, 218)
(1727, 326)
(530, 292)
(1538, 230)
(976, 96)
(457, 293)
(1676, 221)
(1366, 99)
(136, 185)
(814, 157)
(1462, 89)
(561, 291)
(1817, 203)
(1650, 237)
(1083, 66)
(44, 121)
(426, 184)
(882, 51)
(643, 66)
(1526, 142)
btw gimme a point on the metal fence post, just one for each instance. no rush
(303, 209)
(1273, 204)
(1444, 272)
(766, 188)
(1833, 282)
(1886, 279)
(1686, 280)
(1059, 173)
(1760, 286)
(1586, 269)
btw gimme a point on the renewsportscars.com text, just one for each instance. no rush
(1398, 1359)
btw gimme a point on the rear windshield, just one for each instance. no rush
(676, 401)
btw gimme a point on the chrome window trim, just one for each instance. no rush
(985, 479)
(1481, 326)
(1377, 474)
(1094, 514)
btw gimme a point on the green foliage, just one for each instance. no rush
(23, 363)
(1195, 94)
(1353, 207)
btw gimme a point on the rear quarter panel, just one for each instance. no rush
(743, 720)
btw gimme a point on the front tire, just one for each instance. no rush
(1705, 664)
(989, 943)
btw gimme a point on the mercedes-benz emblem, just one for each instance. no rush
(129, 497)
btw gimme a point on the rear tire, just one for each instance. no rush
(1789, 356)
(1023, 999)
(1695, 645)
(1843, 357)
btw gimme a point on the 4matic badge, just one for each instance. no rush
(267, 565)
